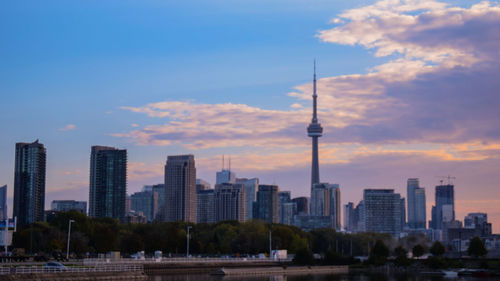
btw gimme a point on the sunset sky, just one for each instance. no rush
(406, 89)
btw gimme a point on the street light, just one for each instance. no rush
(187, 241)
(69, 236)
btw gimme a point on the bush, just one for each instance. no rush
(304, 256)
(379, 253)
(437, 249)
(418, 251)
(477, 248)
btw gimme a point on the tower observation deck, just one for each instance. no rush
(314, 130)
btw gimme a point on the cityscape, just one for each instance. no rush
(279, 139)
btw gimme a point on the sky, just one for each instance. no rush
(406, 89)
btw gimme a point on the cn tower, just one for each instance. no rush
(314, 130)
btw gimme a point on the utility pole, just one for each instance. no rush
(270, 247)
(69, 237)
(187, 242)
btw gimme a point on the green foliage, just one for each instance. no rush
(379, 253)
(418, 250)
(401, 257)
(477, 248)
(437, 249)
(304, 256)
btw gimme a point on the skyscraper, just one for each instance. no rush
(108, 182)
(160, 189)
(3, 203)
(314, 130)
(29, 182)
(302, 205)
(145, 202)
(283, 197)
(382, 208)
(229, 202)
(205, 206)
(335, 206)
(349, 218)
(251, 186)
(180, 188)
(416, 204)
(445, 204)
(267, 203)
(202, 184)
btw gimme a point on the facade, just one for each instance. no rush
(302, 204)
(205, 206)
(29, 182)
(335, 206)
(160, 189)
(445, 204)
(251, 186)
(309, 222)
(145, 202)
(3, 203)
(349, 217)
(180, 189)
(287, 212)
(382, 208)
(69, 205)
(320, 203)
(359, 216)
(475, 219)
(403, 213)
(202, 184)
(108, 182)
(416, 204)
(283, 197)
(229, 202)
(267, 203)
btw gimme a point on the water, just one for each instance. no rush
(315, 277)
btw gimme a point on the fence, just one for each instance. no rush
(181, 260)
(71, 269)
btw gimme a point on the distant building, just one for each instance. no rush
(335, 206)
(69, 205)
(251, 186)
(267, 202)
(359, 215)
(302, 204)
(403, 213)
(225, 176)
(382, 208)
(283, 197)
(475, 219)
(180, 188)
(325, 201)
(205, 206)
(416, 204)
(287, 213)
(160, 189)
(135, 217)
(445, 201)
(229, 202)
(145, 202)
(29, 182)
(108, 182)
(308, 222)
(349, 218)
(3, 203)
(202, 184)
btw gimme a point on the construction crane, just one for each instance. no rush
(448, 177)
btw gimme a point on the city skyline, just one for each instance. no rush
(416, 100)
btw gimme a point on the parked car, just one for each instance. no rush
(55, 266)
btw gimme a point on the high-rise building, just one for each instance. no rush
(335, 206)
(403, 213)
(229, 202)
(160, 189)
(225, 176)
(445, 205)
(287, 212)
(69, 205)
(349, 218)
(3, 203)
(202, 184)
(320, 203)
(267, 203)
(314, 130)
(302, 204)
(205, 206)
(416, 204)
(382, 208)
(475, 219)
(360, 217)
(251, 186)
(29, 182)
(145, 202)
(180, 188)
(283, 197)
(108, 182)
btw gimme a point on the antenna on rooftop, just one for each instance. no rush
(222, 161)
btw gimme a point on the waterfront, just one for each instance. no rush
(315, 277)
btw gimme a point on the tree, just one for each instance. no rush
(418, 251)
(379, 253)
(437, 249)
(304, 256)
(401, 256)
(477, 248)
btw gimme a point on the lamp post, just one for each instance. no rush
(69, 237)
(187, 242)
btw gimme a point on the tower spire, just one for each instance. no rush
(315, 96)
(314, 130)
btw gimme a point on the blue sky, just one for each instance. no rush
(237, 67)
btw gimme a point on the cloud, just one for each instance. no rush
(68, 127)
(436, 94)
